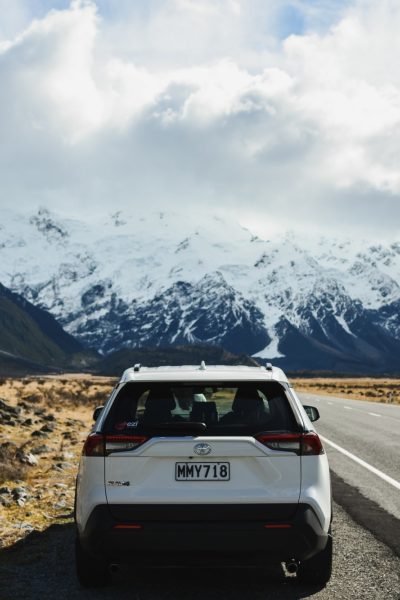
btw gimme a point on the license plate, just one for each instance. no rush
(210, 471)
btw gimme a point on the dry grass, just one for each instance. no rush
(365, 388)
(51, 482)
(10, 467)
(54, 391)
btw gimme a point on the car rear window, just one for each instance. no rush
(225, 408)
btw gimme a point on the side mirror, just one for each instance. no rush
(312, 413)
(97, 412)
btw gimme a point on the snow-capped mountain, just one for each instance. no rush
(156, 279)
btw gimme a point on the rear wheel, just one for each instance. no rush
(318, 569)
(89, 571)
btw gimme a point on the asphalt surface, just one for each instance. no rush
(371, 432)
(42, 568)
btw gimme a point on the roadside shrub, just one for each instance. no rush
(10, 467)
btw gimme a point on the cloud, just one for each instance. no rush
(181, 104)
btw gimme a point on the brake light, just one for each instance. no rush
(311, 444)
(289, 442)
(302, 444)
(94, 445)
(98, 444)
(123, 443)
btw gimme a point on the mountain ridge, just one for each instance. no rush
(157, 279)
(31, 340)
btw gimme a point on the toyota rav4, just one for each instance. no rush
(194, 463)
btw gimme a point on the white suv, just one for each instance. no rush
(202, 461)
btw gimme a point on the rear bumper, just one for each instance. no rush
(193, 534)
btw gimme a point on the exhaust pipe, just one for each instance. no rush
(113, 568)
(292, 567)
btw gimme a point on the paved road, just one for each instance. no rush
(42, 568)
(371, 432)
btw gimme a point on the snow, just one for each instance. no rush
(344, 325)
(54, 261)
(271, 351)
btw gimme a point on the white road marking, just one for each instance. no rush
(364, 404)
(364, 412)
(364, 464)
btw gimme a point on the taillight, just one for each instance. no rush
(94, 445)
(123, 443)
(302, 444)
(311, 444)
(98, 444)
(289, 442)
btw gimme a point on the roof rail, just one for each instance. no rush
(268, 366)
(136, 368)
(202, 366)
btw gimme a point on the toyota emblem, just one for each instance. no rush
(202, 449)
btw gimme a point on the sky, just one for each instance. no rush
(284, 114)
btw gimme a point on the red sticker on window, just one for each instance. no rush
(121, 426)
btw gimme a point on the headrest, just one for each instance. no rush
(247, 400)
(160, 400)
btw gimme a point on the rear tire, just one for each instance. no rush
(318, 569)
(90, 571)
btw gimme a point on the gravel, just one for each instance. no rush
(42, 567)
